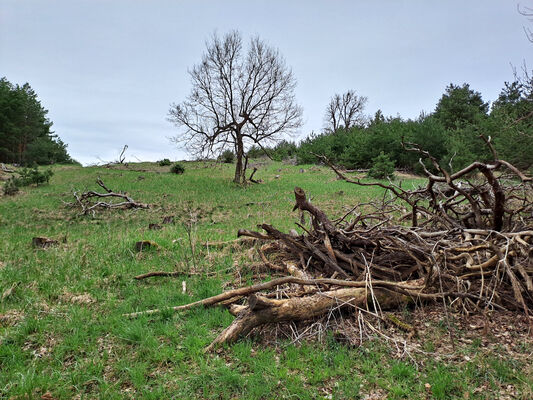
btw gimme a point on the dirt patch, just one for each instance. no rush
(406, 175)
(81, 299)
(39, 350)
(11, 318)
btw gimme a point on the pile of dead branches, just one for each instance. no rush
(90, 201)
(465, 239)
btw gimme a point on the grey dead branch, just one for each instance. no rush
(464, 240)
(91, 201)
(4, 168)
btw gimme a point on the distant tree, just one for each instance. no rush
(460, 106)
(345, 111)
(238, 99)
(516, 97)
(25, 130)
(511, 120)
(283, 150)
(377, 119)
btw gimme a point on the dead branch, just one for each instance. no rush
(6, 169)
(248, 290)
(121, 157)
(240, 241)
(262, 310)
(251, 178)
(88, 202)
(157, 273)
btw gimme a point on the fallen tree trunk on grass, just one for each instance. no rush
(262, 310)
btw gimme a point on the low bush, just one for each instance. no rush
(227, 157)
(33, 176)
(255, 152)
(10, 187)
(177, 168)
(164, 162)
(27, 176)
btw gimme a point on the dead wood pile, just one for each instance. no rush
(465, 239)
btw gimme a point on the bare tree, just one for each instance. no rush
(237, 99)
(345, 111)
(528, 13)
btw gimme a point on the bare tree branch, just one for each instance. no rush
(528, 13)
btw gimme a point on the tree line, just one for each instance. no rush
(26, 137)
(451, 133)
(242, 101)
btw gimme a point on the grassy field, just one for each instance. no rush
(62, 333)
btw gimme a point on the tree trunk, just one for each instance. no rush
(239, 173)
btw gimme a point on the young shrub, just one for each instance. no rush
(382, 167)
(227, 157)
(10, 187)
(255, 152)
(177, 168)
(29, 176)
(164, 162)
(284, 150)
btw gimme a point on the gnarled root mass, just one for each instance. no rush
(465, 239)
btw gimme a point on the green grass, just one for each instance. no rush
(62, 329)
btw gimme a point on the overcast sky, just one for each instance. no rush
(107, 71)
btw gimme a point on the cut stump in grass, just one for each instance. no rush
(144, 245)
(44, 242)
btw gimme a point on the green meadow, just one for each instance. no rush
(63, 334)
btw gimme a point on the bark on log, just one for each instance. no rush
(245, 291)
(262, 310)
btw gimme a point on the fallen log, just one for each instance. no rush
(248, 290)
(251, 178)
(261, 310)
(43, 242)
